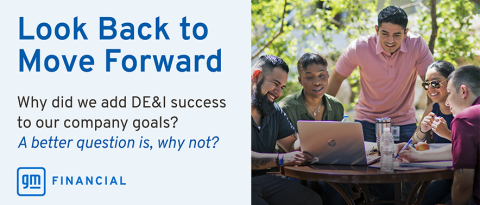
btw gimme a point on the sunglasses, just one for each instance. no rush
(434, 84)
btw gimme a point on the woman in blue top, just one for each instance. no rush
(437, 116)
(437, 119)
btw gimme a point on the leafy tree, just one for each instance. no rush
(446, 26)
(274, 21)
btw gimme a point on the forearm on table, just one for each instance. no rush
(462, 187)
(263, 160)
(442, 153)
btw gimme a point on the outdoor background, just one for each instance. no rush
(290, 28)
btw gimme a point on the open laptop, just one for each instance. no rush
(332, 142)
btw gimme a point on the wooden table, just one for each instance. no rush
(363, 175)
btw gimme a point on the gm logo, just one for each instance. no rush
(331, 143)
(31, 181)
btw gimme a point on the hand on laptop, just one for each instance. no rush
(293, 158)
(409, 154)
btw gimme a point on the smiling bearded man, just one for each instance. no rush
(269, 126)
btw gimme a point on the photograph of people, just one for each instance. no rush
(367, 60)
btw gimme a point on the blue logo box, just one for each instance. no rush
(31, 181)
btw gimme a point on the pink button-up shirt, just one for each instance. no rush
(387, 80)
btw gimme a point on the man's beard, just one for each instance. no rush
(261, 102)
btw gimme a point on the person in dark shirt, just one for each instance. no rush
(269, 126)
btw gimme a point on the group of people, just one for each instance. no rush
(389, 61)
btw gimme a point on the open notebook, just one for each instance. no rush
(431, 165)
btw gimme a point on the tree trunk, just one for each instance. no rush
(433, 36)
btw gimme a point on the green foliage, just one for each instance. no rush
(311, 18)
(354, 81)
(454, 36)
(316, 18)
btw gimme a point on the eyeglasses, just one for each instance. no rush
(434, 84)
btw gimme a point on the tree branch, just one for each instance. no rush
(476, 2)
(433, 36)
(337, 23)
(415, 4)
(274, 37)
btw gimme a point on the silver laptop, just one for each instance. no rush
(332, 142)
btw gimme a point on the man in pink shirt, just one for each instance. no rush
(389, 61)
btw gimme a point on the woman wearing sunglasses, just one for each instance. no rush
(437, 116)
(437, 119)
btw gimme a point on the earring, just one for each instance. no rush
(256, 73)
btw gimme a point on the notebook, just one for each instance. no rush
(431, 165)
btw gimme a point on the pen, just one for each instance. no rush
(408, 143)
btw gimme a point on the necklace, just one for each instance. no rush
(314, 112)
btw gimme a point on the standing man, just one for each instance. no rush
(463, 98)
(269, 127)
(389, 61)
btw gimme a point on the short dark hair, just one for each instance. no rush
(393, 14)
(467, 75)
(443, 67)
(309, 59)
(266, 63)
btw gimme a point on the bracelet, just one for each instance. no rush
(422, 131)
(276, 160)
(281, 161)
(416, 138)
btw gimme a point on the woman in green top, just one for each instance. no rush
(311, 103)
